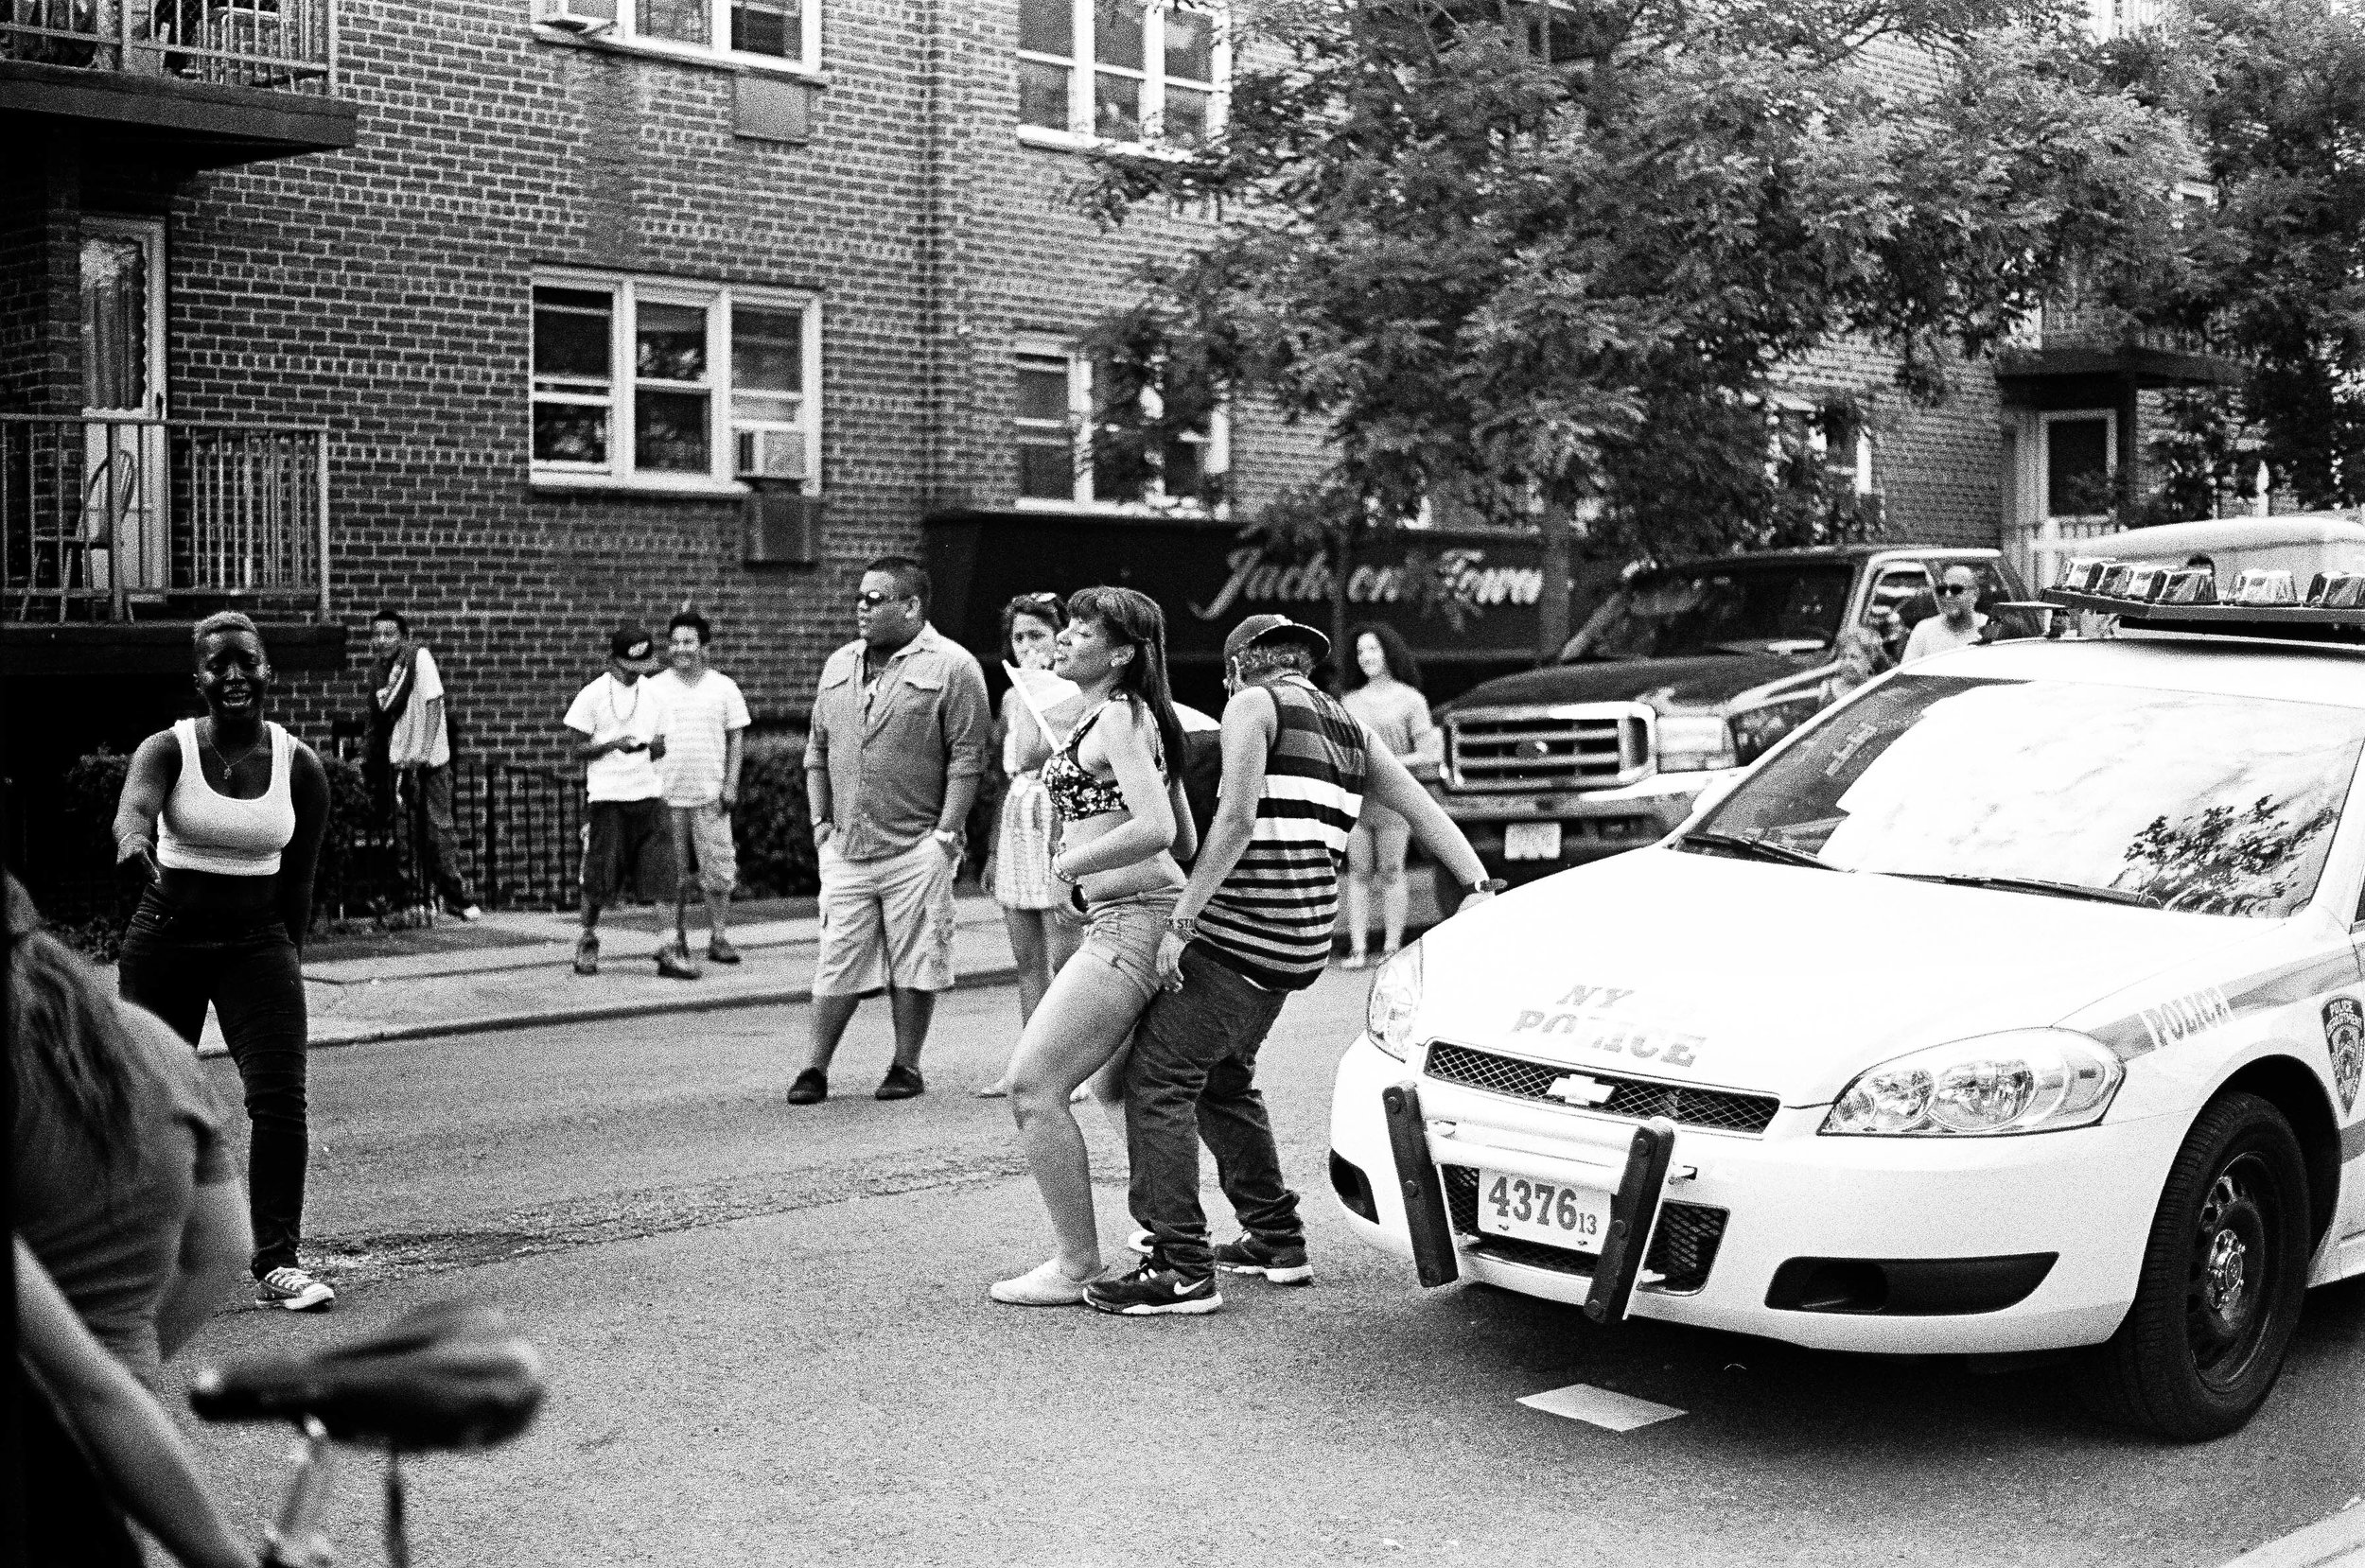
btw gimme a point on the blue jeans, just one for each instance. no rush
(1192, 1076)
(173, 964)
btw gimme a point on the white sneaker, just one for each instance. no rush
(1046, 1285)
(472, 913)
(1141, 1242)
(294, 1289)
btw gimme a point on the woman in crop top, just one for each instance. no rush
(1121, 819)
(221, 820)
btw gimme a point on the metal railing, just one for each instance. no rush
(2063, 324)
(279, 45)
(529, 837)
(105, 515)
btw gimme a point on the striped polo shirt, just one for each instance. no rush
(1271, 920)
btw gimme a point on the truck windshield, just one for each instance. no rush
(2183, 800)
(1743, 608)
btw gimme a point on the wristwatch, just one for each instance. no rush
(946, 837)
(1490, 884)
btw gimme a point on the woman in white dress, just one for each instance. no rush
(1043, 932)
(1385, 694)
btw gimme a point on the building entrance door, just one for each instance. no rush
(125, 523)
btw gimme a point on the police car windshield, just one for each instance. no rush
(1746, 607)
(2190, 801)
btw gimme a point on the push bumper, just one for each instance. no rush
(1901, 1245)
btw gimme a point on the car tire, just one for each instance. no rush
(2223, 1275)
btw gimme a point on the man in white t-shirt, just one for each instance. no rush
(706, 731)
(1958, 622)
(407, 715)
(621, 718)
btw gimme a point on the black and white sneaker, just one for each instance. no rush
(1154, 1290)
(1282, 1262)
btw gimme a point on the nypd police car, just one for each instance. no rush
(2014, 1005)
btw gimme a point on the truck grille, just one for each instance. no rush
(1683, 1247)
(1571, 748)
(1638, 1099)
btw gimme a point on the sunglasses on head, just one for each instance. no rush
(1038, 599)
(874, 598)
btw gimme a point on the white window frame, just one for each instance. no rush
(1215, 462)
(1083, 67)
(624, 34)
(627, 293)
(2043, 476)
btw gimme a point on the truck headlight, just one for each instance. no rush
(1695, 745)
(2024, 1080)
(1396, 997)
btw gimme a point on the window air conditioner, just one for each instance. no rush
(587, 18)
(772, 454)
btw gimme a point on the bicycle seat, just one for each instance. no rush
(450, 1375)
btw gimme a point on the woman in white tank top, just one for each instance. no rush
(221, 819)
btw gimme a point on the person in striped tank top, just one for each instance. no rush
(1253, 925)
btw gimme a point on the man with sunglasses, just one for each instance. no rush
(900, 731)
(1958, 622)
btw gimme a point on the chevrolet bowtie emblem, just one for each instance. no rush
(1577, 1089)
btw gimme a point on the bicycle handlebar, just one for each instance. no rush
(448, 1375)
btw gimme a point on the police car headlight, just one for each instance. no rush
(1396, 997)
(2027, 1080)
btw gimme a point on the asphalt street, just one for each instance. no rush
(769, 1341)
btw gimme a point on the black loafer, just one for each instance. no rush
(900, 1083)
(811, 1088)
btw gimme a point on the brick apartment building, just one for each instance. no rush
(532, 316)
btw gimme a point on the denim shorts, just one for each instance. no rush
(1124, 933)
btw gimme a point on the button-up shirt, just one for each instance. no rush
(890, 749)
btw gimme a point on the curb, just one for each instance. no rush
(2335, 1543)
(496, 1023)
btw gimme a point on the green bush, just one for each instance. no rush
(773, 822)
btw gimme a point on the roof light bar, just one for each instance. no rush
(2264, 602)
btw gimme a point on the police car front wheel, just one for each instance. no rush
(2223, 1276)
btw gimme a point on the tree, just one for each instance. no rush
(2271, 269)
(1552, 265)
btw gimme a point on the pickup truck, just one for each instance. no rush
(1686, 673)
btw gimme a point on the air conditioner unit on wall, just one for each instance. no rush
(587, 18)
(772, 454)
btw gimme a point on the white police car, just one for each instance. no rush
(2012, 1005)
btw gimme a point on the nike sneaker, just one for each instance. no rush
(1154, 1290)
(1283, 1262)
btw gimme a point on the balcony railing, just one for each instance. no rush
(116, 518)
(280, 45)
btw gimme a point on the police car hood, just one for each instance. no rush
(1788, 980)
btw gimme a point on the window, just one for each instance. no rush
(1120, 70)
(662, 384)
(2080, 452)
(775, 32)
(1064, 457)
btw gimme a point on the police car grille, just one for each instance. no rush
(1683, 1247)
(1638, 1099)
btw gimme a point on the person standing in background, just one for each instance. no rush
(900, 728)
(1958, 622)
(411, 737)
(705, 742)
(1017, 873)
(621, 718)
(1384, 695)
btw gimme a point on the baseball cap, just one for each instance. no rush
(1268, 628)
(633, 646)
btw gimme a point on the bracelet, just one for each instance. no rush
(1184, 926)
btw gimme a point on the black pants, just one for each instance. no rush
(173, 964)
(433, 830)
(1192, 1076)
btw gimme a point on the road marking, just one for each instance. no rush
(2335, 1543)
(1581, 1402)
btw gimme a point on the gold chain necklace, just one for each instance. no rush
(227, 765)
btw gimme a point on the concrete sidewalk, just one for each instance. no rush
(519, 973)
